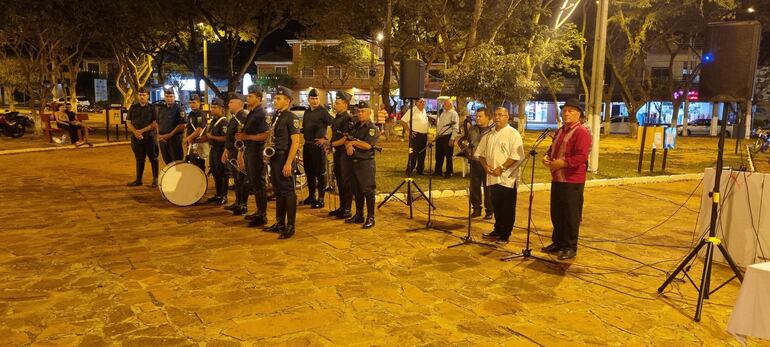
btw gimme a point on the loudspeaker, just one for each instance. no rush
(412, 82)
(729, 61)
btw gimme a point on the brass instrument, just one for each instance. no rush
(269, 151)
(239, 162)
(464, 140)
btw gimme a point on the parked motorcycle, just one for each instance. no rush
(12, 125)
(763, 141)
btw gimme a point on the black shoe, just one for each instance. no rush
(369, 223)
(134, 184)
(566, 254)
(317, 204)
(335, 212)
(552, 248)
(287, 232)
(502, 241)
(308, 201)
(448, 175)
(154, 184)
(213, 199)
(476, 213)
(240, 210)
(259, 220)
(275, 228)
(222, 200)
(489, 215)
(230, 207)
(491, 235)
(344, 214)
(358, 219)
(251, 216)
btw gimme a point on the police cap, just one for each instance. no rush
(256, 90)
(344, 97)
(219, 102)
(281, 90)
(313, 93)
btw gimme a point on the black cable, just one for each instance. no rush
(751, 215)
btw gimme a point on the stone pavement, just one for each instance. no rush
(86, 261)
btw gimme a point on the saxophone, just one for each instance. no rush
(269, 150)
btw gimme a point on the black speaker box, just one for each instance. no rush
(412, 82)
(729, 61)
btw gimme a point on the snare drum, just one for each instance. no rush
(201, 150)
(182, 183)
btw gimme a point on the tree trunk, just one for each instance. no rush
(608, 108)
(522, 116)
(388, 59)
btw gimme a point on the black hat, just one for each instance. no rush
(344, 97)
(195, 97)
(573, 103)
(313, 93)
(168, 91)
(237, 96)
(363, 104)
(281, 90)
(219, 102)
(255, 89)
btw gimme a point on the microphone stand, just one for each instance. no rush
(526, 253)
(429, 224)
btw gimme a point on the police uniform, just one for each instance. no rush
(256, 123)
(169, 117)
(196, 119)
(285, 124)
(314, 125)
(236, 124)
(218, 127)
(342, 166)
(363, 171)
(141, 117)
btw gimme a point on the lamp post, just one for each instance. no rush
(206, 69)
(597, 81)
(379, 36)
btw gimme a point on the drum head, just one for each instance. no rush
(182, 183)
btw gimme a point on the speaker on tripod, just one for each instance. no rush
(411, 82)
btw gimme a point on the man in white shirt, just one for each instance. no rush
(498, 153)
(419, 135)
(447, 130)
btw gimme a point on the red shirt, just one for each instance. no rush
(571, 144)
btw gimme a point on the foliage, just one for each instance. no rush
(349, 55)
(273, 80)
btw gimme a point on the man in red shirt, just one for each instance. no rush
(567, 160)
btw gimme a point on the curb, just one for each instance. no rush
(538, 187)
(60, 148)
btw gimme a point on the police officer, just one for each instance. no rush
(171, 126)
(359, 147)
(255, 132)
(315, 122)
(340, 127)
(286, 140)
(234, 155)
(142, 121)
(196, 122)
(216, 136)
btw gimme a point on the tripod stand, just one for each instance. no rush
(710, 241)
(429, 147)
(468, 238)
(408, 180)
(526, 253)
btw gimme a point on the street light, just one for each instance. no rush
(751, 10)
(380, 36)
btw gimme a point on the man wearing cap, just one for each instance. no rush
(566, 158)
(196, 124)
(341, 125)
(234, 154)
(255, 132)
(171, 126)
(359, 148)
(142, 122)
(498, 152)
(447, 131)
(216, 137)
(286, 140)
(315, 122)
(420, 123)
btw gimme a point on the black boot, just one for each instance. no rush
(320, 202)
(344, 214)
(222, 200)
(335, 212)
(280, 212)
(232, 206)
(369, 211)
(291, 215)
(359, 216)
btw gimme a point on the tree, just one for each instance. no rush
(346, 57)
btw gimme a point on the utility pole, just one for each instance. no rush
(597, 81)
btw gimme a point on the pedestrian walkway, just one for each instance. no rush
(85, 260)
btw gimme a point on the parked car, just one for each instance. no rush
(702, 127)
(618, 125)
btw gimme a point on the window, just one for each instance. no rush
(365, 73)
(435, 76)
(660, 73)
(281, 70)
(307, 73)
(93, 67)
(334, 72)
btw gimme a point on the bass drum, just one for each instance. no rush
(182, 183)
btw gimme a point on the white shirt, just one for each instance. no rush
(420, 122)
(443, 127)
(496, 147)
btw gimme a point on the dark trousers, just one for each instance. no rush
(145, 148)
(217, 169)
(283, 187)
(443, 151)
(417, 157)
(566, 213)
(241, 181)
(342, 170)
(504, 200)
(200, 163)
(315, 169)
(171, 149)
(73, 131)
(363, 185)
(255, 169)
(479, 181)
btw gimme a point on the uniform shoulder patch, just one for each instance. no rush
(372, 131)
(296, 123)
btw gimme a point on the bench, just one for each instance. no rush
(50, 127)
